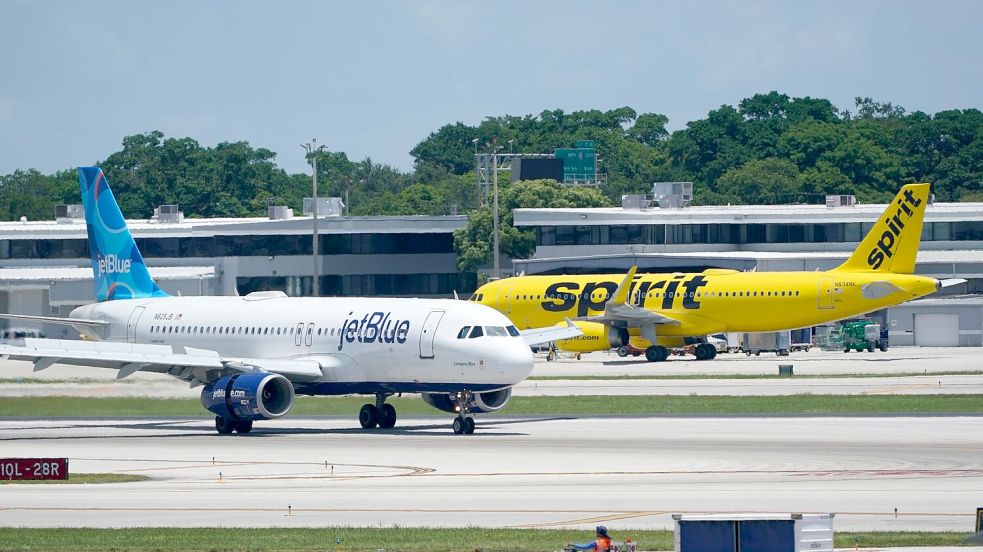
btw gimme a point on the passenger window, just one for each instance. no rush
(475, 332)
(463, 333)
(513, 331)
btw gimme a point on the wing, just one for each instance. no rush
(196, 366)
(539, 336)
(619, 312)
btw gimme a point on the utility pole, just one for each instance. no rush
(312, 151)
(496, 270)
(477, 174)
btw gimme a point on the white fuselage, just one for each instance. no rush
(363, 345)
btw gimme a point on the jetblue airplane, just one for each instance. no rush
(253, 354)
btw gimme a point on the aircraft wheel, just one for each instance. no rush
(224, 426)
(652, 354)
(468, 426)
(622, 351)
(705, 351)
(244, 427)
(368, 416)
(656, 353)
(387, 416)
(458, 426)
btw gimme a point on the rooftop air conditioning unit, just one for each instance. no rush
(279, 212)
(673, 195)
(68, 213)
(326, 207)
(841, 200)
(637, 201)
(168, 213)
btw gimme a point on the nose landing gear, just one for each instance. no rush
(464, 423)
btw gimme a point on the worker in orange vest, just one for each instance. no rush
(602, 542)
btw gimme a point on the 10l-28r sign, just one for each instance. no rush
(15, 469)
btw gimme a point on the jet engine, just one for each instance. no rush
(597, 337)
(481, 403)
(249, 397)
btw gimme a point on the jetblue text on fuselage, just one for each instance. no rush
(374, 327)
(111, 264)
(563, 296)
(885, 245)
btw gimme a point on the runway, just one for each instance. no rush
(899, 371)
(629, 473)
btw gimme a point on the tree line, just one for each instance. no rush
(769, 148)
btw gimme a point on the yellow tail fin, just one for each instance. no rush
(892, 244)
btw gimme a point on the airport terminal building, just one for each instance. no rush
(45, 266)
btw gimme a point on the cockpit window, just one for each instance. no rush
(496, 331)
(513, 331)
(475, 332)
(481, 296)
(463, 333)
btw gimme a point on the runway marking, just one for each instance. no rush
(611, 517)
(419, 471)
(893, 473)
(889, 390)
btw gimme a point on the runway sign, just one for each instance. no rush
(17, 469)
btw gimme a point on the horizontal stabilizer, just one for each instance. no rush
(55, 320)
(951, 282)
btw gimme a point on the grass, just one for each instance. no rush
(82, 479)
(372, 539)
(48, 407)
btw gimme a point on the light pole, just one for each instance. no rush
(312, 150)
(495, 208)
(477, 174)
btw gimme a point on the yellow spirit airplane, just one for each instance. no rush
(654, 311)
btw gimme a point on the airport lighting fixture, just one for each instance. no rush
(312, 150)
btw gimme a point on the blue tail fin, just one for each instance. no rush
(116, 262)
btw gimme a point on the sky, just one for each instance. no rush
(374, 78)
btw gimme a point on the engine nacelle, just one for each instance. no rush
(249, 397)
(481, 403)
(597, 337)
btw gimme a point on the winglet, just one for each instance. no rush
(620, 296)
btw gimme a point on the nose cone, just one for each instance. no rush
(515, 360)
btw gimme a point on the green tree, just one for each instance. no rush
(474, 242)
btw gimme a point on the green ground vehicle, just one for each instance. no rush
(860, 335)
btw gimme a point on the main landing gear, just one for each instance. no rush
(705, 351)
(463, 424)
(379, 414)
(656, 353)
(226, 426)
